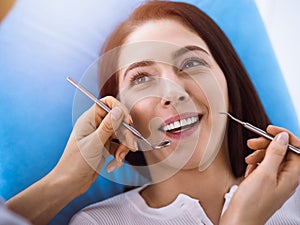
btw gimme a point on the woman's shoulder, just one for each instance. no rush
(108, 211)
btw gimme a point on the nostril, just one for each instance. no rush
(167, 102)
(181, 98)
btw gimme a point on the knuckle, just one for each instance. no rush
(278, 149)
(106, 126)
(108, 98)
(110, 101)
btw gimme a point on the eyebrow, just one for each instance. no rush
(176, 54)
(138, 64)
(188, 48)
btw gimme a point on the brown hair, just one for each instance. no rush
(243, 99)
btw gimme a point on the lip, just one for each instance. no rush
(179, 117)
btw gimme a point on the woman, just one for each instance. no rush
(255, 200)
(167, 88)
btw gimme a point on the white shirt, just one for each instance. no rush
(130, 208)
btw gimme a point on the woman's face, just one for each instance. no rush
(174, 90)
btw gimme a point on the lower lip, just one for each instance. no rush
(184, 133)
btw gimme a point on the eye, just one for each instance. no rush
(140, 78)
(192, 62)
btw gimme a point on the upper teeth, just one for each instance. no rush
(181, 123)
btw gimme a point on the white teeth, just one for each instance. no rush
(177, 124)
(181, 123)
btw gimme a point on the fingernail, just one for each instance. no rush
(247, 171)
(130, 120)
(282, 138)
(249, 156)
(112, 166)
(134, 146)
(116, 113)
(122, 156)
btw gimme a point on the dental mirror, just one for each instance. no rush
(160, 145)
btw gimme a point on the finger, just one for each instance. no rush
(112, 102)
(85, 124)
(275, 153)
(258, 143)
(92, 151)
(109, 124)
(130, 140)
(118, 161)
(255, 157)
(293, 139)
(250, 168)
(88, 122)
(113, 165)
(121, 152)
(92, 118)
(112, 146)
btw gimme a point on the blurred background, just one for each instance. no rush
(281, 19)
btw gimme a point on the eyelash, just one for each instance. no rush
(201, 62)
(137, 76)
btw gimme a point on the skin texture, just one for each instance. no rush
(176, 85)
(165, 84)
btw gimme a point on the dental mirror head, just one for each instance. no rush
(162, 144)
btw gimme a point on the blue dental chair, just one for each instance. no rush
(41, 43)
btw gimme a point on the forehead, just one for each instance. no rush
(166, 30)
(158, 40)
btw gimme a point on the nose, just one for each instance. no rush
(171, 100)
(173, 94)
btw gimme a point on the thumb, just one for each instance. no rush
(276, 152)
(109, 124)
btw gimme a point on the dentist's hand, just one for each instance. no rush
(259, 145)
(91, 143)
(268, 186)
(82, 160)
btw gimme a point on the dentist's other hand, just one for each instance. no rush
(268, 186)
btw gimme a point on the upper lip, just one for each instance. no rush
(179, 118)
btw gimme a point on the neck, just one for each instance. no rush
(209, 187)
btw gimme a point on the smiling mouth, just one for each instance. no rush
(181, 124)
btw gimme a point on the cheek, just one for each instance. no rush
(197, 94)
(210, 88)
(142, 114)
(222, 84)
